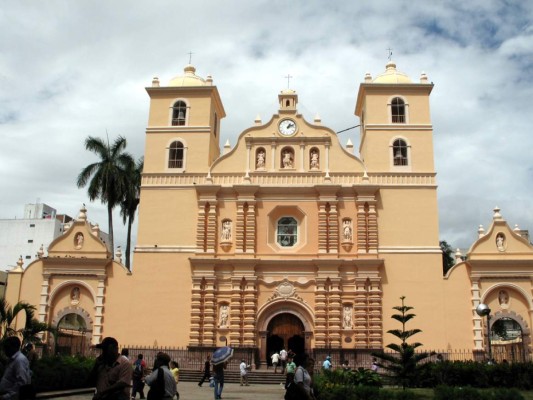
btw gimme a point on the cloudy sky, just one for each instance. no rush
(70, 69)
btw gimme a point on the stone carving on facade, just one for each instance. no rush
(288, 159)
(260, 161)
(500, 242)
(347, 318)
(78, 240)
(315, 161)
(347, 231)
(223, 318)
(503, 298)
(226, 231)
(75, 296)
(285, 290)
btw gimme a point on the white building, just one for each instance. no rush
(24, 237)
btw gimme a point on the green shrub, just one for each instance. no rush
(61, 373)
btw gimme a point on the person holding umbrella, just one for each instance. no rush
(220, 362)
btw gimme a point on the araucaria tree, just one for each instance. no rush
(403, 363)
(107, 178)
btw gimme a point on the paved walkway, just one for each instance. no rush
(232, 391)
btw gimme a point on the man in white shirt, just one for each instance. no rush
(244, 372)
(275, 361)
(283, 360)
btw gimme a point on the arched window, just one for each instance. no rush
(179, 113)
(399, 152)
(398, 111)
(287, 234)
(176, 155)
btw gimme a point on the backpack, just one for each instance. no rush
(138, 370)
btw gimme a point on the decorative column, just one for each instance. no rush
(322, 227)
(333, 229)
(273, 166)
(367, 224)
(477, 320)
(210, 312)
(236, 311)
(196, 312)
(302, 156)
(248, 151)
(361, 314)
(99, 309)
(250, 311)
(320, 313)
(43, 306)
(327, 177)
(335, 314)
(375, 314)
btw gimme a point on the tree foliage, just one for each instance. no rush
(448, 259)
(130, 201)
(33, 328)
(403, 362)
(107, 178)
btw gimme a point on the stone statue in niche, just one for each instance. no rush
(347, 319)
(260, 162)
(226, 231)
(78, 240)
(314, 164)
(287, 159)
(503, 298)
(347, 230)
(223, 319)
(75, 295)
(500, 242)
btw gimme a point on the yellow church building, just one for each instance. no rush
(288, 239)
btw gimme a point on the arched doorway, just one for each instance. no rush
(285, 331)
(72, 331)
(507, 339)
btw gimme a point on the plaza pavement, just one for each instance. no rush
(232, 391)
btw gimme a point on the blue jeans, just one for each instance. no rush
(219, 385)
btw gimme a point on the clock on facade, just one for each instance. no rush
(287, 127)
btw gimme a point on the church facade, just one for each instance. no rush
(288, 239)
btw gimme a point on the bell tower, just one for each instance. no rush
(183, 124)
(396, 129)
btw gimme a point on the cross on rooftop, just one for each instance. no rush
(190, 53)
(289, 76)
(390, 53)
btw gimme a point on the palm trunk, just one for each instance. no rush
(110, 220)
(128, 243)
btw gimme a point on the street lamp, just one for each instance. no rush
(483, 310)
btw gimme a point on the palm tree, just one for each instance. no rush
(107, 178)
(128, 206)
(9, 314)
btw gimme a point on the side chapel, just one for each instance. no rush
(288, 239)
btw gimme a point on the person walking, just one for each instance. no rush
(326, 365)
(111, 373)
(175, 369)
(161, 381)
(207, 371)
(244, 372)
(17, 374)
(139, 370)
(218, 374)
(283, 359)
(275, 361)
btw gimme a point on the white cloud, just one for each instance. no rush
(74, 69)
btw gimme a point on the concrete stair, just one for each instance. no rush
(254, 377)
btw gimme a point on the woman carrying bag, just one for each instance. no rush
(161, 381)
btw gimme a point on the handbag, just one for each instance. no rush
(157, 390)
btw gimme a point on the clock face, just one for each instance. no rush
(287, 127)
